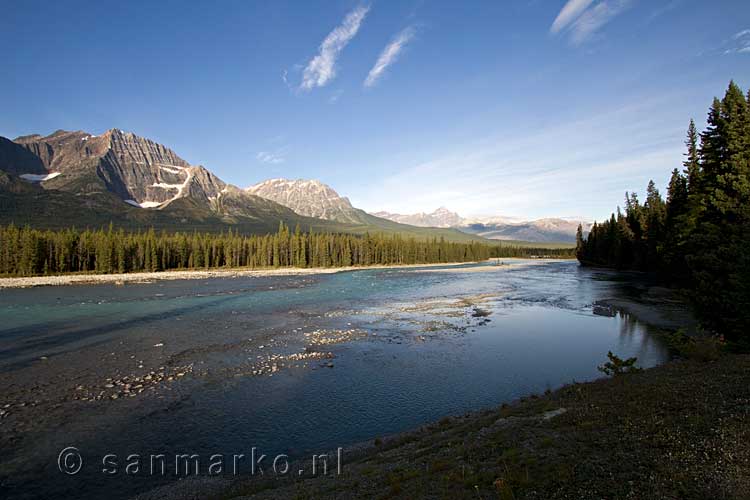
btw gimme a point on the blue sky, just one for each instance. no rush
(527, 108)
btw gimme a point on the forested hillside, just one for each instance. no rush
(699, 237)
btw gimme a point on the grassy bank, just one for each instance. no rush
(681, 430)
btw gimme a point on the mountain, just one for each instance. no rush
(308, 197)
(79, 179)
(442, 217)
(141, 172)
(551, 230)
(76, 178)
(541, 230)
(314, 199)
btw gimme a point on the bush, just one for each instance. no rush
(617, 366)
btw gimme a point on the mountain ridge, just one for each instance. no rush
(442, 217)
(551, 229)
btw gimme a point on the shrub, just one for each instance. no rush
(617, 366)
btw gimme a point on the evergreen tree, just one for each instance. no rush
(699, 237)
(692, 160)
(580, 244)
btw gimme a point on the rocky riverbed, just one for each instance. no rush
(193, 274)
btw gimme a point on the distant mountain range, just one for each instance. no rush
(442, 217)
(79, 179)
(540, 230)
(496, 228)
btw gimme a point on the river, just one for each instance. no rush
(285, 364)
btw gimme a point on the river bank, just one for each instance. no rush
(680, 430)
(193, 274)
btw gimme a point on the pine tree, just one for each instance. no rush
(700, 236)
(580, 244)
(692, 160)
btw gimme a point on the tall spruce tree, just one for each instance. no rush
(719, 240)
(699, 238)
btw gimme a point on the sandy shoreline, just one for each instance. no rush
(121, 279)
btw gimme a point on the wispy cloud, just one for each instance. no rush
(582, 20)
(739, 44)
(593, 19)
(272, 158)
(322, 68)
(389, 55)
(568, 14)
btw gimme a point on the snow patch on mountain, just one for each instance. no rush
(144, 204)
(39, 177)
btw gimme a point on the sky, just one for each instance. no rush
(523, 108)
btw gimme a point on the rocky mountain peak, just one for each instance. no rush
(442, 217)
(308, 197)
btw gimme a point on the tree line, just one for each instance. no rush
(25, 251)
(699, 237)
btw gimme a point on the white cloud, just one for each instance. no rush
(568, 14)
(593, 19)
(582, 20)
(389, 55)
(322, 68)
(273, 158)
(741, 34)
